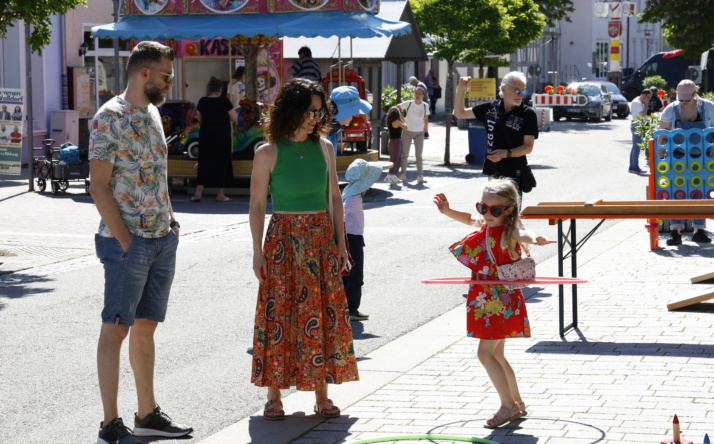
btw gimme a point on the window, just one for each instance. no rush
(100, 55)
(601, 58)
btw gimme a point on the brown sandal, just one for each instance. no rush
(521, 406)
(504, 415)
(271, 413)
(328, 412)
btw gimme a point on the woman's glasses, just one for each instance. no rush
(317, 113)
(496, 210)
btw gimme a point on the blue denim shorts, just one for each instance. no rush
(137, 282)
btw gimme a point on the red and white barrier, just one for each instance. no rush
(554, 99)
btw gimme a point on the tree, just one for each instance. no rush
(37, 14)
(555, 10)
(471, 31)
(686, 26)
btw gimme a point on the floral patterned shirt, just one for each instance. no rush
(132, 139)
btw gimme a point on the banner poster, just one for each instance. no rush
(11, 130)
(483, 89)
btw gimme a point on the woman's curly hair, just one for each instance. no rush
(287, 112)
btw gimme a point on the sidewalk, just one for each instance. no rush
(620, 378)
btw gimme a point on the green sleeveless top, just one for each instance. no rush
(299, 180)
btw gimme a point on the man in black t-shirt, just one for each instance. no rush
(511, 129)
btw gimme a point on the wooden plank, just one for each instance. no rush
(701, 297)
(646, 211)
(635, 202)
(703, 277)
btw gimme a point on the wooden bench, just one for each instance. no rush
(557, 212)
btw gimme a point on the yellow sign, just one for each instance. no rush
(614, 50)
(483, 88)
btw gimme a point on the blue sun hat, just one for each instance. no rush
(361, 175)
(348, 103)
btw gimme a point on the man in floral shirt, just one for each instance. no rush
(137, 238)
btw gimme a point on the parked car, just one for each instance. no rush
(598, 103)
(620, 105)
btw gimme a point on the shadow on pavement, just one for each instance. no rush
(16, 285)
(659, 349)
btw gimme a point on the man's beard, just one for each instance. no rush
(154, 95)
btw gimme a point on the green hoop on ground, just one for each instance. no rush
(423, 437)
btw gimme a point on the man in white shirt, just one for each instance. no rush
(638, 108)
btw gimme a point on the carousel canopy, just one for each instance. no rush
(305, 24)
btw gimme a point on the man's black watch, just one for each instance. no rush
(174, 224)
(509, 154)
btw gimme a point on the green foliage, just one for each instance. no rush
(37, 14)
(474, 30)
(389, 95)
(708, 95)
(657, 81)
(645, 128)
(686, 25)
(555, 10)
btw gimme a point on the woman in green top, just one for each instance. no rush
(302, 335)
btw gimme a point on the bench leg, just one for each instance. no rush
(653, 226)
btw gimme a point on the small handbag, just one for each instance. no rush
(350, 261)
(520, 270)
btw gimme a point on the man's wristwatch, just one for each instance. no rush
(174, 224)
(509, 154)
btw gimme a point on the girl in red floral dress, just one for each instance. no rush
(495, 312)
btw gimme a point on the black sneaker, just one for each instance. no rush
(357, 316)
(676, 239)
(116, 433)
(158, 423)
(701, 237)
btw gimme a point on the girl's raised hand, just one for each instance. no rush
(441, 202)
(540, 240)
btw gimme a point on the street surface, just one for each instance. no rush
(49, 307)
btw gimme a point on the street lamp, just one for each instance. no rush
(648, 36)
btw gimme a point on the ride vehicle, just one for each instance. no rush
(359, 131)
(247, 133)
(594, 103)
(620, 105)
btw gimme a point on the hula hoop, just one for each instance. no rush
(539, 280)
(421, 437)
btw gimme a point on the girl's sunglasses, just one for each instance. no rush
(496, 210)
(317, 113)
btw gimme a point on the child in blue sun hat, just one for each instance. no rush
(360, 175)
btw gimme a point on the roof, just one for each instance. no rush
(405, 47)
(324, 23)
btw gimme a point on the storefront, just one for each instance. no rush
(207, 35)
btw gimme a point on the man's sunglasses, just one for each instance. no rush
(317, 113)
(496, 210)
(520, 92)
(687, 101)
(168, 76)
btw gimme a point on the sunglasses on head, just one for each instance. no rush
(317, 113)
(496, 210)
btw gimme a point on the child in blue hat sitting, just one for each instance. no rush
(361, 175)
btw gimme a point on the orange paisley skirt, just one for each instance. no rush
(302, 336)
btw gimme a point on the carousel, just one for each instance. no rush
(214, 37)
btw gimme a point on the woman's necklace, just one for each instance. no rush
(300, 148)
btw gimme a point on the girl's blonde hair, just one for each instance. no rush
(506, 189)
